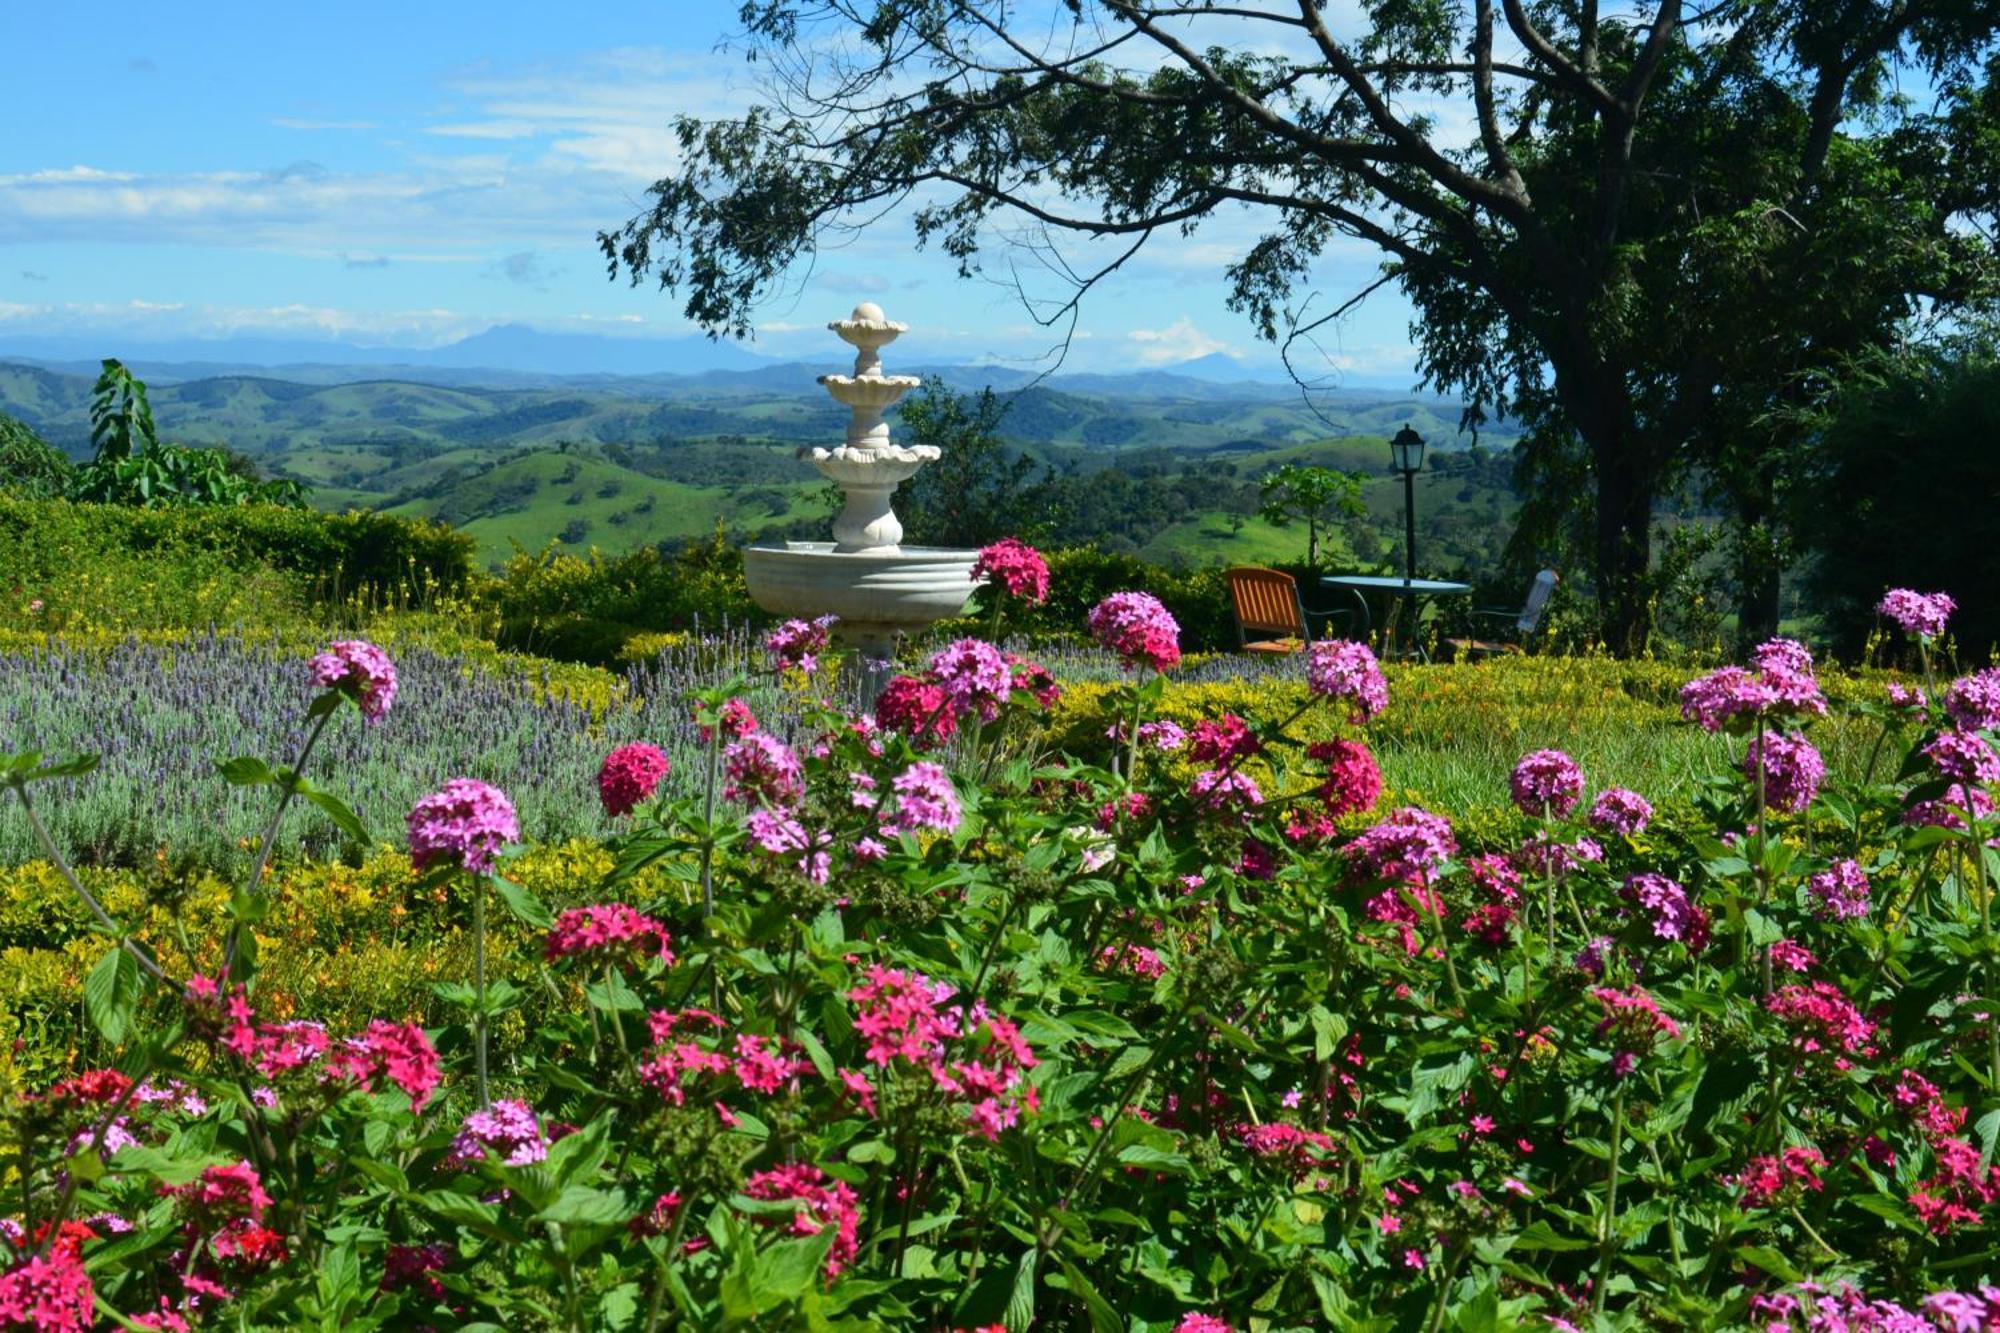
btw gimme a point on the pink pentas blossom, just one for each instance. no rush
(1950, 809)
(1973, 702)
(923, 799)
(631, 774)
(1195, 1322)
(398, 1053)
(465, 823)
(1907, 700)
(1353, 782)
(1617, 810)
(823, 1203)
(797, 644)
(1223, 740)
(607, 933)
(1342, 669)
(1634, 1024)
(1544, 855)
(1922, 615)
(1821, 1019)
(1032, 678)
(1165, 736)
(761, 770)
(1840, 892)
(1133, 959)
(507, 1131)
(1015, 567)
(734, 720)
(1790, 769)
(918, 709)
(1408, 845)
(975, 676)
(412, 1268)
(50, 1294)
(1219, 789)
(1783, 1178)
(1138, 628)
(223, 1193)
(1787, 655)
(1963, 756)
(1734, 698)
(1546, 782)
(1793, 956)
(1669, 910)
(361, 671)
(777, 832)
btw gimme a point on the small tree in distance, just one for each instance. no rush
(1315, 496)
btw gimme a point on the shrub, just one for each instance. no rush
(585, 608)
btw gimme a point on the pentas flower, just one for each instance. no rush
(919, 710)
(1301, 1150)
(734, 720)
(1791, 769)
(1821, 1019)
(222, 1194)
(1633, 1022)
(1949, 810)
(822, 1203)
(506, 1130)
(1618, 810)
(361, 671)
(1217, 789)
(1034, 679)
(631, 774)
(466, 823)
(1907, 700)
(923, 799)
(1222, 741)
(1782, 655)
(1138, 628)
(1961, 756)
(1781, 1179)
(1922, 615)
(1408, 845)
(1491, 922)
(1015, 567)
(777, 832)
(1132, 959)
(1793, 956)
(1733, 698)
(1973, 702)
(1163, 736)
(975, 676)
(1341, 669)
(608, 933)
(1353, 778)
(1545, 783)
(400, 1053)
(1203, 1323)
(1546, 856)
(410, 1268)
(797, 644)
(1667, 906)
(49, 1294)
(1921, 1100)
(761, 770)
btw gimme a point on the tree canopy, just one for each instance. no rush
(1635, 230)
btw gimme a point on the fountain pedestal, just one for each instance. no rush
(878, 587)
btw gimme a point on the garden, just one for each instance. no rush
(385, 978)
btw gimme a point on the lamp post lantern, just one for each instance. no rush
(1406, 454)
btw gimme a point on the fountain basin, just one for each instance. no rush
(876, 594)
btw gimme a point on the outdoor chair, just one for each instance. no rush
(1268, 606)
(1512, 631)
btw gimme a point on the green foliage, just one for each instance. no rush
(585, 608)
(979, 490)
(29, 465)
(1904, 459)
(133, 467)
(1316, 496)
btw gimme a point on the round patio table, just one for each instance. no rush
(1393, 589)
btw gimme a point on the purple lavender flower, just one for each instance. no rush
(466, 821)
(1546, 782)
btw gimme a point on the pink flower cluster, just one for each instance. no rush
(465, 823)
(1353, 779)
(1973, 701)
(631, 774)
(1339, 669)
(1224, 740)
(759, 1064)
(923, 799)
(1223, 790)
(1301, 1150)
(507, 1130)
(1673, 915)
(1138, 628)
(1132, 959)
(1920, 614)
(1822, 1019)
(822, 1203)
(902, 1016)
(1963, 756)
(1950, 809)
(1791, 769)
(1496, 880)
(1546, 782)
(734, 720)
(51, 1294)
(361, 671)
(760, 769)
(1407, 845)
(1781, 1179)
(797, 644)
(608, 933)
(1547, 856)
(1618, 810)
(1195, 1322)
(1634, 1023)
(1015, 566)
(400, 1053)
(1780, 686)
(975, 676)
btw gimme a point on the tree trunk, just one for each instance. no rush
(1624, 554)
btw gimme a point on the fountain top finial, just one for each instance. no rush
(868, 331)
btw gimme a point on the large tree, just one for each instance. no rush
(1641, 198)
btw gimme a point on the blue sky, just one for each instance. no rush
(408, 174)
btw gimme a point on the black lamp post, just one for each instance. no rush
(1406, 454)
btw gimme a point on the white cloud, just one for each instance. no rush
(1179, 341)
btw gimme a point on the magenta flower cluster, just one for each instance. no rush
(1973, 702)
(1789, 767)
(1138, 628)
(506, 1130)
(466, 823)
(1407, 846)
(1920, 614)
(923, 799)
(1669, 910)
(1617, 810)
(631, 774)
(1962, 756)
(1840, 892)
(1779, 685)
(608, 933)
(976, 677)
(1545, 783)
(760, 769)
(361, 671)
(797, 644)
(1015, 566)
(1340, 669)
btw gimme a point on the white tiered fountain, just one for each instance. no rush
(878, 587)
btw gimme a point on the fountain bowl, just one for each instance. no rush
(876, 594)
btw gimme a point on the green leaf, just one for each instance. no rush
(580, 1206)
(245, 771)
(524, 905)
(1768, 1259)
(1328, 1029)
(789, 1269)
(111, 994)
(1021, 1300)
(336, 810)
(1542, 1236)
(1103, 1319)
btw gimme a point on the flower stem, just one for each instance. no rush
(288, 787)
(479, 985)
(61, 863)
(1607, 1233)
